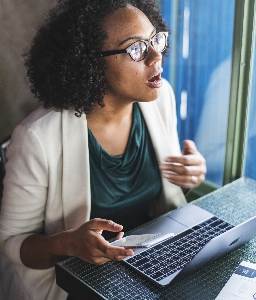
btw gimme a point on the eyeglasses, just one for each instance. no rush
(139, 50)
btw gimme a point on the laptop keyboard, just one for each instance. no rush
(167, 257)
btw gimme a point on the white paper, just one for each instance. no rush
(241, 285)
(145, 240)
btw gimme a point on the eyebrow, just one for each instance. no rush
(136, 37)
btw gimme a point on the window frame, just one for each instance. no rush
(241, 74)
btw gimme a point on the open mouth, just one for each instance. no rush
(155, 81)
(155, 78)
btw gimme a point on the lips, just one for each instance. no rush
(155, 81)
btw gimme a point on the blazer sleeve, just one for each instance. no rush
(25, 192)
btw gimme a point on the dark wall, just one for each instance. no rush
(18, 23)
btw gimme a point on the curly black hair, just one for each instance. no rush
(63, 63)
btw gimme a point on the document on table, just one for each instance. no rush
(241, 285)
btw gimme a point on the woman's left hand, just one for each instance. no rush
(187, 170)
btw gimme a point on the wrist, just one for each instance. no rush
(67, 243)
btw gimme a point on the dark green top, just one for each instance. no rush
(123, 186)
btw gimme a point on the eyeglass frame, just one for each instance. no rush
(146, 42)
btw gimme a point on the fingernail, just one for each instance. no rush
(116, 226)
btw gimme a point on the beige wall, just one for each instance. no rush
(18, 22)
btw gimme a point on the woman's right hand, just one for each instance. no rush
(39, 251)
(88, 244)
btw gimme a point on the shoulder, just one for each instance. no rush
(42, 127)
(41, 117)
(48, 128)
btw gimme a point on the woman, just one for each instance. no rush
(93, 152)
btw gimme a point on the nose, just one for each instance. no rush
(153, 56)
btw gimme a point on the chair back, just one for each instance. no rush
(3, 146)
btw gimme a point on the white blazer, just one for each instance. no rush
(47, 187)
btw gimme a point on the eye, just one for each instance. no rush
(137, 47)
(137, 50)
(159, 41)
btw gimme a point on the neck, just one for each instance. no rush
(111, 113)
(111, 126)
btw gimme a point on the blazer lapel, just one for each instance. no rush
(76, 173)
(165, 145)
(157, 130)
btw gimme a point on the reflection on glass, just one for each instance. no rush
(250, 154)
(199, 68)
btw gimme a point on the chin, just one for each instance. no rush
(154, 95)
(148, 100)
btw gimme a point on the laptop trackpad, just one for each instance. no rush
(161, 225)
(190, 215)
(176, 221)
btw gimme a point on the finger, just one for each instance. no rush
(101, 261)
(105, 252)
(119, 258)
(98, 224)
(118, 251)
(120, 235)
(189, 147)
(97, 260)
(184, 160)
(191, 167)
(116, 258)
(187, 181)
(108, 250)
(185, 173)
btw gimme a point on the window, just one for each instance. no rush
(206, 70)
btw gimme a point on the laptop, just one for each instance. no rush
(200, 239)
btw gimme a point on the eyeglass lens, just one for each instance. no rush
(138, 50)
(159, 42)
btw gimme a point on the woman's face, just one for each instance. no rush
(130, 81)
